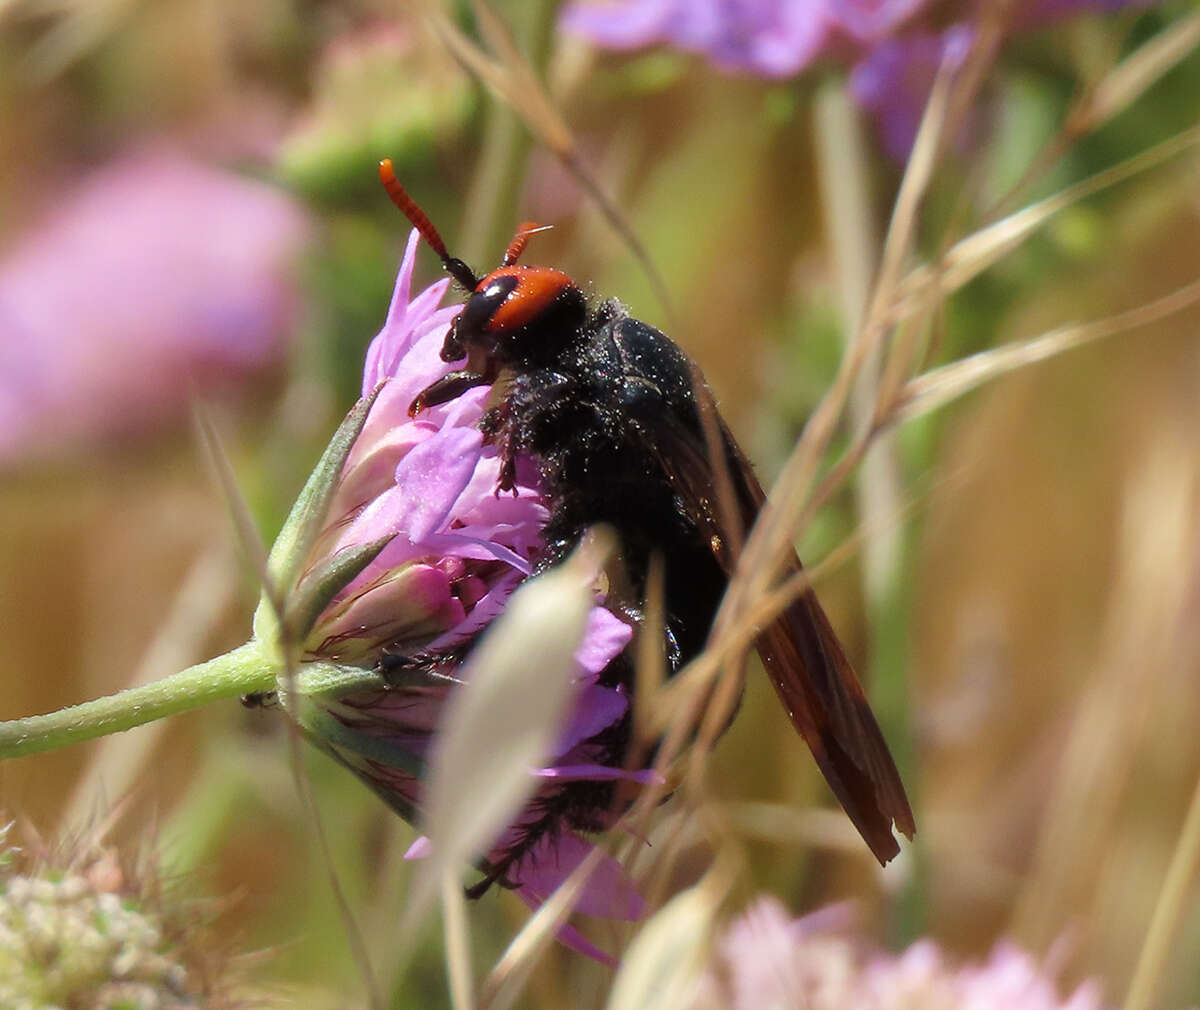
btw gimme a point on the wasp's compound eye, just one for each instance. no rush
(484, 303)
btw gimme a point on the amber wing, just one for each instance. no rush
(800, 651)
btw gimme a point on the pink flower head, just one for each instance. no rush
(426, 486)
(767, 958)
(772, 38)
(769, 38)
(153, 276)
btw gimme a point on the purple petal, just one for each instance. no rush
(374, 369)
(771, 38)
(627, 25)
(429, 480)
(420, 849)
(411, 604)
(596, 708)
(407, 321)
(600, 773)
(605, 639)
(568, 935)
(894, 81)
(482, 614)
(609, 892)
(371, 469)
(411, 356)
(457, 545)
(870, 21)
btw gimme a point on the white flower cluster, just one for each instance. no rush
(65, 943)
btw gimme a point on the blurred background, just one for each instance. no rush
(189, 210)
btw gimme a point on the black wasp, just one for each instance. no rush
(609, 408)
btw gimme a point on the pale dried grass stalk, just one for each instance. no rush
(1123, 85)
(511, 78)
(457, 941)
(664, 961)
(79, 27)
(940, 386)
(510, 974)
(1150, 603)
(1135, 75)
(494, 734)
(1168, 912)
(975, 253)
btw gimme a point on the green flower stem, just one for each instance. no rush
(245, 670)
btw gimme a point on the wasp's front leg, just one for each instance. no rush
(498, 430)
(447, 388)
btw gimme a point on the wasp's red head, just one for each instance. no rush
(515, 296)
(512, 312)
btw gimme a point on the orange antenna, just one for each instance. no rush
(409, 208)
(517, 245)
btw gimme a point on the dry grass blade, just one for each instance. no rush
(1123, 85)
(691, 709)
(252, 545)
(935, 389)
(679, 695)
(650, 670)
(504, 721)
(1135, 74)
(1137, 653)
(248, 537)
(664, 961)
(512, 971)
(80, 26)
(809, 828)
(511, 78)
(771, 539)
(972, 255)
(1168, 913)
(458, 942)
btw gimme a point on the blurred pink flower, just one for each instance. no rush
(767, 959)
(457, 552)
(156, 276)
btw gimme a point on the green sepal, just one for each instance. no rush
(316, 688)
(304, 523)
(322, 725)
(313, 592)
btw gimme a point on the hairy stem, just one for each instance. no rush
(244, 670)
